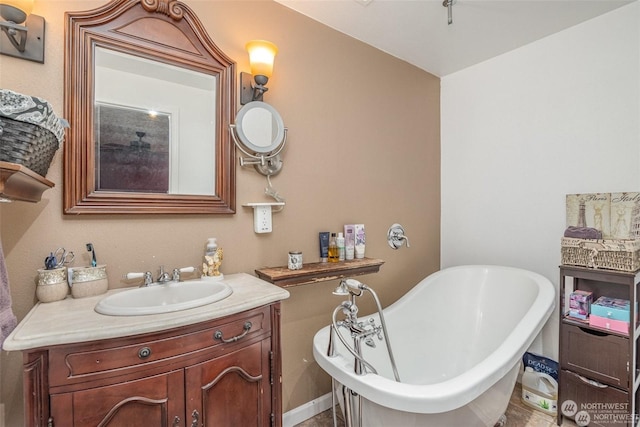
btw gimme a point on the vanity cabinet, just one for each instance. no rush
(222, 372)
(598, 366)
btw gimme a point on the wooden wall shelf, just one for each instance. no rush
(319, 272)
(17, 182)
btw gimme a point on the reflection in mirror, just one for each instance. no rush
(155, 126)
(149, 98)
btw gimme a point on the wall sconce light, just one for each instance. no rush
(261, 56)
(21, 41)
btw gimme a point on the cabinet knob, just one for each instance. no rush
(195, 416)
(144, 352)
(176, 421)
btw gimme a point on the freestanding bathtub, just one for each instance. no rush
(457, 337)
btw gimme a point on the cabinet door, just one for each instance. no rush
(152, 401)
(231, 390)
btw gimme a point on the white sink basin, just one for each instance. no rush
(164, 298)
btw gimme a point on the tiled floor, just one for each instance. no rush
(518, 415)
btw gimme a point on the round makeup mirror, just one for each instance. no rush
(260, 134)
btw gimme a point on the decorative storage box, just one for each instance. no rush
(611, 308)
(616, 215)
(580, 304)
(610, 313)
(610, 324)
(30, 132)
(622, 255)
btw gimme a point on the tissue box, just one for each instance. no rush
(579, 304)
(611, 308)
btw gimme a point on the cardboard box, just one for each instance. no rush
(580, 304)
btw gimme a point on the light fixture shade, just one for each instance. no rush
(261, 55)
(24, 5)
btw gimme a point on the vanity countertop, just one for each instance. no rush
(75, 320)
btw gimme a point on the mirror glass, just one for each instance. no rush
(259, 127)
(149, 98)
(154, 126)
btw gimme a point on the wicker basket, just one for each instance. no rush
(621, 255)
(27, 144)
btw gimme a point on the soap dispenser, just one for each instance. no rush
(212, 261)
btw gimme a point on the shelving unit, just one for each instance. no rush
(18, 182)
(319, 272)
(599, 366)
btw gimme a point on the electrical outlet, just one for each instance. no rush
(262, 219)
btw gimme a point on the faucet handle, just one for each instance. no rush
(396, 237)
(178, 271)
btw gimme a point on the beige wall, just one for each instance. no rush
(363, 147)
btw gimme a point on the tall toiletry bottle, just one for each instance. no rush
(324, 245)
(349, 241)
(340, 245)
(360, 241)
(333, 248)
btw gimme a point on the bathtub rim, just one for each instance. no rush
(457, 391)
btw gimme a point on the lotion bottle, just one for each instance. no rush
(349, 241)
(360, 241)
(340, 245)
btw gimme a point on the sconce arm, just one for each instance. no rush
(11, 30)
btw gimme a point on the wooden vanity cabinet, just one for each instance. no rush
(186, 376)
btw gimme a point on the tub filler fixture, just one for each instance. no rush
(451, 353)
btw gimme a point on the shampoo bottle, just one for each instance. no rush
(333, 248)
(340, 245)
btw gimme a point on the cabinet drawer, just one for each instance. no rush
(71, 364)
(593, 400)
(595, 355)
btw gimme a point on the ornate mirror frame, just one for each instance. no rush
(167, 31)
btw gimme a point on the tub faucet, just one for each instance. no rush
(359, 331)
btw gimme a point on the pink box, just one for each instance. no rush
(610, 324)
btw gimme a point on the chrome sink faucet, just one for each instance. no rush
(163, 278)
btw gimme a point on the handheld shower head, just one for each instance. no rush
(355, 284)
(347, 285)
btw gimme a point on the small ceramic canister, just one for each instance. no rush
(88, 281)
(295, 260)
(52, 285)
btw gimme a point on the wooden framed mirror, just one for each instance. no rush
(149, 98)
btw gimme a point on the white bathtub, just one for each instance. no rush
(458, 337)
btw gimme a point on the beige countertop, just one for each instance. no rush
(75, 320)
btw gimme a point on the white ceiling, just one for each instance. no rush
(417, 32)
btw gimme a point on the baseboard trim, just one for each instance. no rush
(306, 411)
